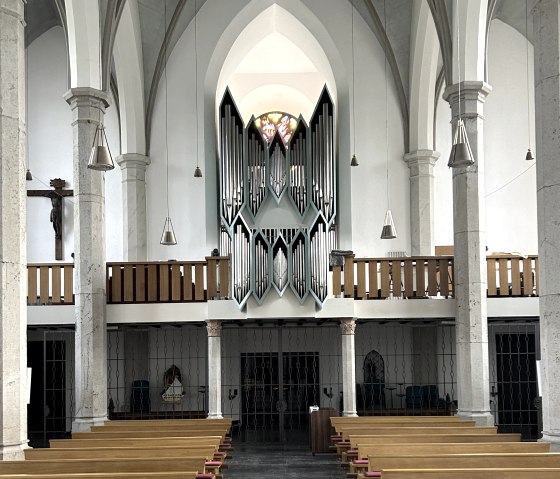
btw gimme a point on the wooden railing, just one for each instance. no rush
(430, 276)
(380, 278)
(169, 281)
(512, 275)
(50, 284)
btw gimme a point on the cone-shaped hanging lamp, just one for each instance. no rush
(168, 235)
(354, 161)
(100, 158)
(28, 175)
(461, 154)
(197, 172)
(528, 157)
(389, 231)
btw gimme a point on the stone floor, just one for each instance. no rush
(281, 461)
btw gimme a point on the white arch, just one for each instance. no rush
(424, 53)
(472, 38)
(82, 18)
(220, 49)
(127, 54)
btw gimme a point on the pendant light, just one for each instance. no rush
(529, 156)
(389, 231)
(461, 154)
(100, 158)
(197, 170)
(354, 161)
(168, 237)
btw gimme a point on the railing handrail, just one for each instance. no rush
(402, 258)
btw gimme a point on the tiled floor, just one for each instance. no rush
(281, 461)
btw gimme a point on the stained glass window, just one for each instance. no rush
(271, 122)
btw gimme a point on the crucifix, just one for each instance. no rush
(56, 196)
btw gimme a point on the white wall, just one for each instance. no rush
(511, 209)
(50, 152)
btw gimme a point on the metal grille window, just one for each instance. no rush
(157, 371)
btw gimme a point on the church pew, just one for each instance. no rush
(120, 452)
(178, 465)
(378, 419)
(135, 442)
(110, 475)
(168, 422)
(407, 449)
(465, 461)
(493, 473)
(154, 433)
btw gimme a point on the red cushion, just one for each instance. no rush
(213, 464)
(343, 443)
(206, 475)
(352, 451)
(373, 474)
(219, 453)
(360, 461)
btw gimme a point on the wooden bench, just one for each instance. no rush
(407, 449)
(148, 434)
(92, 465)
(226, 422)
(206, 451)
(135, 442)
(493, 473)
(112, 475)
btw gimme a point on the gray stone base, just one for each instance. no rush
(85, 424)
(217, 415)
(554, 441)
(349, 413)
(13, 452)
(481, 418)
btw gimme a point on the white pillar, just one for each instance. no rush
(347, 329)
(214, 329)
(13, 255)
(547, 110)
(471, 321)
(133, 167)
(88, 106)
(421, 166)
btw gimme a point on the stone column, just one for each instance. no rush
(214, 329)
(421, 165)
(547, 111)
(471, 325)
(347, 329)
(13, 244)
(88, 106)
(133, 167)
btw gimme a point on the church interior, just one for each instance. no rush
(270, 212)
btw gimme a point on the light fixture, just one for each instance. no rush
(354, 161)
(388, 231)
(28, 175)
(100, 158)
(461, 154)
(529, 156)
(168, 237)
(197, 170)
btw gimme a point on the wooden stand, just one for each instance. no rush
(320, 429)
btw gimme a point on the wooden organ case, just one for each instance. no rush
(279, 158)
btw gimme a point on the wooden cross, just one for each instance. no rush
(56, 196)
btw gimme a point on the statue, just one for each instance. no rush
(56, 215)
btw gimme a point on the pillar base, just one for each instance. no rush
(85, 424)
(482, 418)
(349, 414)
(553, 439)
(13, 452)
(215, 415)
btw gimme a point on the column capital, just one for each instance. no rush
(87, 96)
(470, 90)
(419, 158)
(214, 329)
(133, 160)
(347, 327)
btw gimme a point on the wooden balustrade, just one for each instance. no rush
(169, 281)
(50, 284)
(430, 276)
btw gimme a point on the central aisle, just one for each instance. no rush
(281, 461)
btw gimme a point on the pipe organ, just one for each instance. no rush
(293, 162)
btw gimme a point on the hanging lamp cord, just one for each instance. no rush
(458, 55)
(353, 85)
(196, 76)
(386, 102)
(527, 69)
(165, 78)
